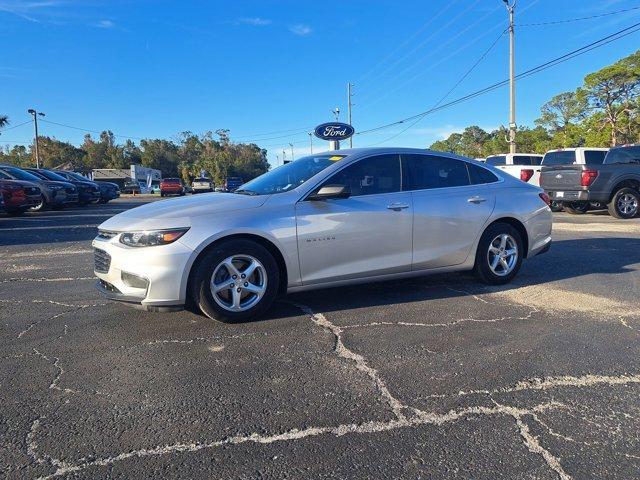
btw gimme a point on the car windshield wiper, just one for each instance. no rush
(246, 192)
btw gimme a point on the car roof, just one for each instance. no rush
(367, 151)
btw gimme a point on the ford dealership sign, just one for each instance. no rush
(334, 131)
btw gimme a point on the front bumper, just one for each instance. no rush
(163, 267)
(109, 195)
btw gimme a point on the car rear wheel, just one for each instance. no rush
(625, 204)
(235, 281)
(499, 254)
(576, 208)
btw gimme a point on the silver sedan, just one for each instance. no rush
(331, 219)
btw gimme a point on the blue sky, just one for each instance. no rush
(154, 68)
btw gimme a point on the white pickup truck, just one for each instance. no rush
(525, 166)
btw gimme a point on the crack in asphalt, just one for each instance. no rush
(44, 279)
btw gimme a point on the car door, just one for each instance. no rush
(367, 234)
(452, 200)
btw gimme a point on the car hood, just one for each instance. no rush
(50, 183)
(178, 212)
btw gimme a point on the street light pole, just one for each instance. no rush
(35, 115)
(291, 145)
(349, 105)
(311, 142)
(511, 7)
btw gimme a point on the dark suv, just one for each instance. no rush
(88, 191)
(108, 191)
(71, 189)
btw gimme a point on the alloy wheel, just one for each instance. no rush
(502, 255)
(628, 204)
(238, 283)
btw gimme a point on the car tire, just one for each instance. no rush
(576, 208)
(211, 270)
(161, 194)
(555, 206)
(494, 272)
(625, 204)
(41, 206)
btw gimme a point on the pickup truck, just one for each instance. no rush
(614, 183)
(525, 166)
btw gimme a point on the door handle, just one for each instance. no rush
(476, 200)
(398, 206)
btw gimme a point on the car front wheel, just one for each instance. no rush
(235, 281)
(625, 204)
(499, 254)
(42, 205)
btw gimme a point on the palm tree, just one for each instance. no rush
(4, 121)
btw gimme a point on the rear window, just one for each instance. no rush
(496, 160)
(566, 157)
(479, 175)
(521, 160)
(594, 157)
(623, 155)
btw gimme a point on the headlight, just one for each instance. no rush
(152, 238)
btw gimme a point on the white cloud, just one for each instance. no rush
(105, 24)
(254, 21)
(301, 30)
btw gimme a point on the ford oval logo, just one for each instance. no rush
(334, 131)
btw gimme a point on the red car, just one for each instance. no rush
(171, 186)
(19, 196)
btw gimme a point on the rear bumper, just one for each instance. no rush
(569, 196)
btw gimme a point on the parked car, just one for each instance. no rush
(202, 184)
(131, 186)
(325, 220)
(53, 194)
(18, 196)
(70, 188)
(108, 190)
(88, 191)
(231, 184)
(171, 186)
(615, 183)
(525, 166)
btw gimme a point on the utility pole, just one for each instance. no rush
(35, 115)
(336, 112)
(511, 7)
(284, 157)
(311, 142)
(349, 95)
(291, 145)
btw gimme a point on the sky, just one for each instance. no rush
(271, 70)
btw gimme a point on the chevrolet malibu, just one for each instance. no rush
(331, 219)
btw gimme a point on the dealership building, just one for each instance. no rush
(120, 175)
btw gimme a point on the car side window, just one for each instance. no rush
(480, 175)
(430, 171)
(370, 176)
(594, 157)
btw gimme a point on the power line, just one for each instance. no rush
(452, 89)
(90, 131)
(16, 126)
(570, 20)
(551, 63)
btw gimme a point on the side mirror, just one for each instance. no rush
(328, 192)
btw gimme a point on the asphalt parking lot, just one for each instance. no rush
(429, 378)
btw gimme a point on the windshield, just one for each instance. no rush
(47, 175)
(21, 174)
(565, 157)
(77, 177)
(289, 176)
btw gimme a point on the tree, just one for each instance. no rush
(4, 121)
(54, 152)
(613, 91)
(562, 110)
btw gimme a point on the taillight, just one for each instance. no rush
(526, 174)
(545, 198)
(588, 176)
